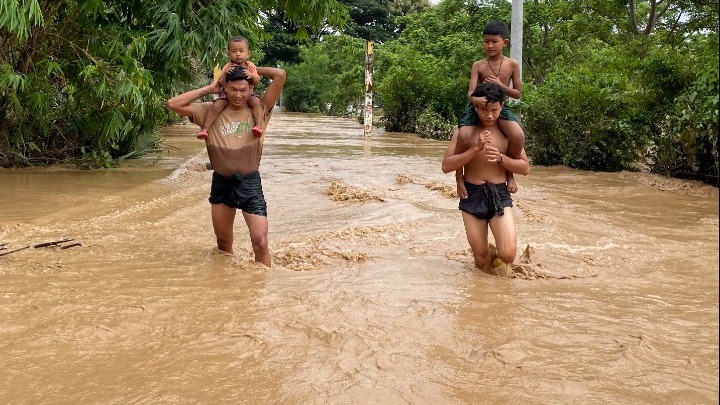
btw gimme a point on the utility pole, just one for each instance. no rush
(516, 32)
(368, 109)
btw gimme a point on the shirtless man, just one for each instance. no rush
(481, 152)
(235, 154)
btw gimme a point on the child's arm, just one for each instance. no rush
(474, 76)
(225, 70)
(516, 92)
(253, 73)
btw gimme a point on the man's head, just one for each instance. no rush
(238, 87)
(489, 110)
(238, 50)
(495, 38)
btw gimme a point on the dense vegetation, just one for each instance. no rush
(87, 80)
(602, 90)
(606, 85)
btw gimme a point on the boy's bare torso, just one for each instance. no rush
(479, 170)
(503, 71)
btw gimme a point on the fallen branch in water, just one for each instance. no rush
(13, 251)
(69, 246)
(57, 242)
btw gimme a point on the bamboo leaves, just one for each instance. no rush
(19, 16)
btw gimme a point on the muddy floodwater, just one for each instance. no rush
(372, 299)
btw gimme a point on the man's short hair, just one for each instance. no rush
(238, 73)
(491, 91)
(237, 38)
(496, 28)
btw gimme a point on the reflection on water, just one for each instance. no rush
(369, 302)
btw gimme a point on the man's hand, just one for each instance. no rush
(485, 138)
(492, 154)
(217, 85)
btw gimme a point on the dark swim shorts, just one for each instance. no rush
(470, 117)
(241, 191)
(486, 200)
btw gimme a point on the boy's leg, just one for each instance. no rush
(477, 235)
(217, 107)
(503, 229)
(258, 115)
(515, 136)
(516, 142)
(469, 117)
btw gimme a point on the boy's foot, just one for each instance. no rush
(202, 134)
(257, 131)
(512, 186)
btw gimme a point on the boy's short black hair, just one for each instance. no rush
(491, 91)
(496, 28)
(239, 73)
(237, 39)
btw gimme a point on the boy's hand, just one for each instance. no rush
(494, 79)
(478, 101)
(461, 190)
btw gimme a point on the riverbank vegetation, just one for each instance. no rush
(606, 85)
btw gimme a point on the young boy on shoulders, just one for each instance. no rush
(238, 51)
(481, 153)
(501, 70)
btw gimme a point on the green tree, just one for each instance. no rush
(88, 78)
(310, 88)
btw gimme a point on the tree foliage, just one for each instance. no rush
(309, 88)
(88, 78)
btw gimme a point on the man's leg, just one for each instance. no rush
(477, 233)
(223, 218)
(503, 229)
(258, 228)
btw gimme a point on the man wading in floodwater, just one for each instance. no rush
(481, 151)
(235, 154)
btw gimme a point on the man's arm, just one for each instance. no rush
(181, 103)
(272, 93)
(252, 70)
(458, 154)
(519, 166)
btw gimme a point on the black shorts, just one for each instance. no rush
(241, 191)
(486, 200)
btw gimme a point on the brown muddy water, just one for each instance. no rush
(372, 299)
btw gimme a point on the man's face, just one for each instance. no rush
(238, 92)
(238, 52)
(493, 44)
(488, 112)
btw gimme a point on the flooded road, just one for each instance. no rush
(373, 298)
